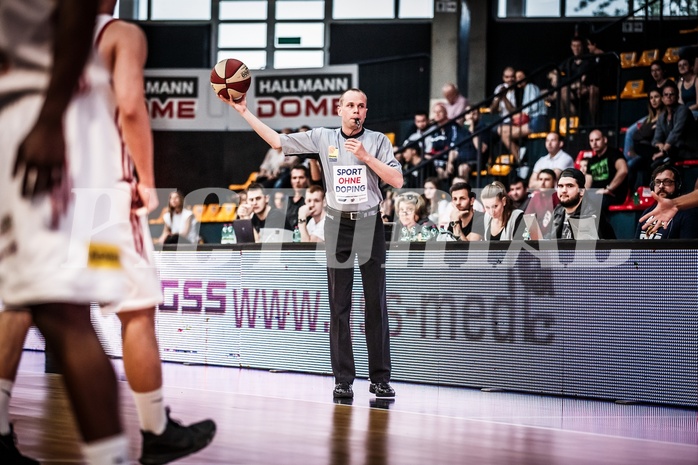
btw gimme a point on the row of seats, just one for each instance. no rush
(210, 213)
(630, 60)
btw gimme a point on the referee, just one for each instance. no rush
(354, 162)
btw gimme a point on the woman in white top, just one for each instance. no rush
(501, 219)
(179, 222)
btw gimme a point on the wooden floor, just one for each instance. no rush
(290, 418)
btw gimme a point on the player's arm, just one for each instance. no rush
(44, 163)
(130, 50)
(269, 135)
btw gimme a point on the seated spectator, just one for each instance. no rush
(666, 183)
(435, 200)
(501, 219)
(658, 72)
(456, 103)
(311, 215)
(556, 159)
(465, 223)
(543, 200)
(441, 138)
(584, 86)
(387, 206)
(463, 161)
(299, 183)
(676, 135)
(640, 156)
(688, 87)
(274, 163)
(180, 224)
(413, 157)
(532, 119)
(421, 127)
(607, 171)
(518, 194)
(412, 223)
(505, 92)
(263, 215)
(244, 211)
(589, 218)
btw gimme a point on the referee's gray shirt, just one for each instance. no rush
(350, 184)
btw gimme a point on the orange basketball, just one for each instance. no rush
(230, 78)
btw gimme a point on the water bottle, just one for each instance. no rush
(526, 235)
(434, 231)
(296, 234)
(224, 234)
(636, 198)
(414, 234)
(424, 234)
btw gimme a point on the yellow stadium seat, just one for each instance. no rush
(564, 128)
(502, 165)
(671, 55)
(391, 137)
(627, 59)
(634, 89)
(241, 187)
(210, 213)
(159, 219)
(647, 57)
(226, 213)
(198, 211)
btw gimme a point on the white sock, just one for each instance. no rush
(151, 411)
(109, 451)
(5, 394)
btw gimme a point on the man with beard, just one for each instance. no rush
(518, 194)
(666, 183)
(571, 192)
(466, 224)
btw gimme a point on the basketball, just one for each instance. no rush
(230, 78)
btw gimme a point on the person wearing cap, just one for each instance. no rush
(571, 192)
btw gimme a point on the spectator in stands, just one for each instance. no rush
(676, 135)
(658, 72)
(279, 200)
(688, 87)
(586, 220)
(593, 47)
(640, 156)
(557, 159)
(410, 209)
(583, 78)
(518, 194)
(387, 205)
(421, 127)
(270, 169)
(434, 199)
(299, 183)
(263, 216)
(441, 139)
(413, 157)
(501, 218)
(505, 92)
(465, 223)
(543, 200)
(180, 224)
(533, 117)
(666, 183)
(607, 171)
(456, 103)
(311, 215)
(465, 160)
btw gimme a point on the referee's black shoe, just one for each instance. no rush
(343, 391)
(381, 390)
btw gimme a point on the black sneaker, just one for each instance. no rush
(343, 391)
(381, 390)
(176, 441)
(9, 454)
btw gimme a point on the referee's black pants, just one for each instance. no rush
(365, 239)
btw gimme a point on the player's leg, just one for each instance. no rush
(14, 325)
(164, 439)
(89, 379)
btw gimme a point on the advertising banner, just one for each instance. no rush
(182, 99)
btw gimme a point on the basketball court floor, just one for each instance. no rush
(289, 418)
